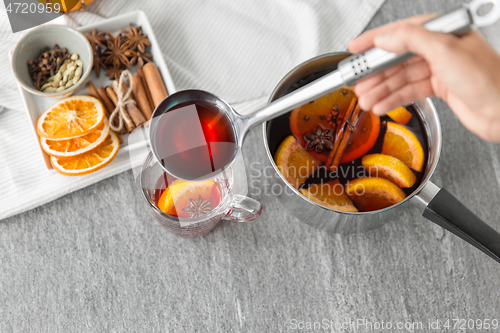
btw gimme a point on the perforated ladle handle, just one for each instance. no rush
(457, 22)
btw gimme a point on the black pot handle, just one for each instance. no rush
(442, 208)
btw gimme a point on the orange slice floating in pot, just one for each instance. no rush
(322, 111)
(330, 195)
(390, 168)
(294, 162)
(364, 137)
(70, 117)
(373, 193)
(401, 143)
(400, 115)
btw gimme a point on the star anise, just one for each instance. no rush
(140, 59)
(98, 62)
(332, 118)
(135, 39)
(117, 52)
(320, 140)
(97, 39)
(198, 208)
(115, 72)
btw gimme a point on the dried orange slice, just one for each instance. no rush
(66, 5)
(400, 115)
(390, 168)
(330, 195)
(70, 117)
(401, 143)
(364, 137)
(90, 161)
(179, 194)
(373, 193)
(322, 111)
(73, 147)
(294, 162)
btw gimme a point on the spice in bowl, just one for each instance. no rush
(55, 70)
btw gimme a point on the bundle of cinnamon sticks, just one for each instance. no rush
(148, 90)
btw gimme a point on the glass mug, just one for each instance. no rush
(232, 206)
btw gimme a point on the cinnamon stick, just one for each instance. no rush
(140, 97)
(105, 100)
(93, 92)
(340, 145)
(140, 72)
(155, 83)
(129, 124)
(134, 112)
(136, 115)
(343, 135)
(108, 104)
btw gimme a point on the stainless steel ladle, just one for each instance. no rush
(350, 70)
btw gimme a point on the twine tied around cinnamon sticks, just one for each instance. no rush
(123, 100)
(138, 97)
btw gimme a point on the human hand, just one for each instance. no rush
(463, 71)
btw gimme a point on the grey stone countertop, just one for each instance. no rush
(96, 260)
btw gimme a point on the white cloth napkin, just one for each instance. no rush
(238, 50)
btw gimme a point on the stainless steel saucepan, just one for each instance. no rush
(437, 204)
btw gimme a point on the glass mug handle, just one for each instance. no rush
(243, 209)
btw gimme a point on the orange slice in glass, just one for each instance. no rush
(322, 111)
(390, 168)
(90, 161)
(401, 143)
(294, 162)
(71, 117)
(400, 115)
(330, 195)
(373, 193)
(179, 194)
(74, 147)
(364, 137)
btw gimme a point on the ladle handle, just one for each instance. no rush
(358, 66)
(442, 208)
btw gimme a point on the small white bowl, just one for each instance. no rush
(31, 44)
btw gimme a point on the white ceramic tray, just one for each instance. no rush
(36, 105)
